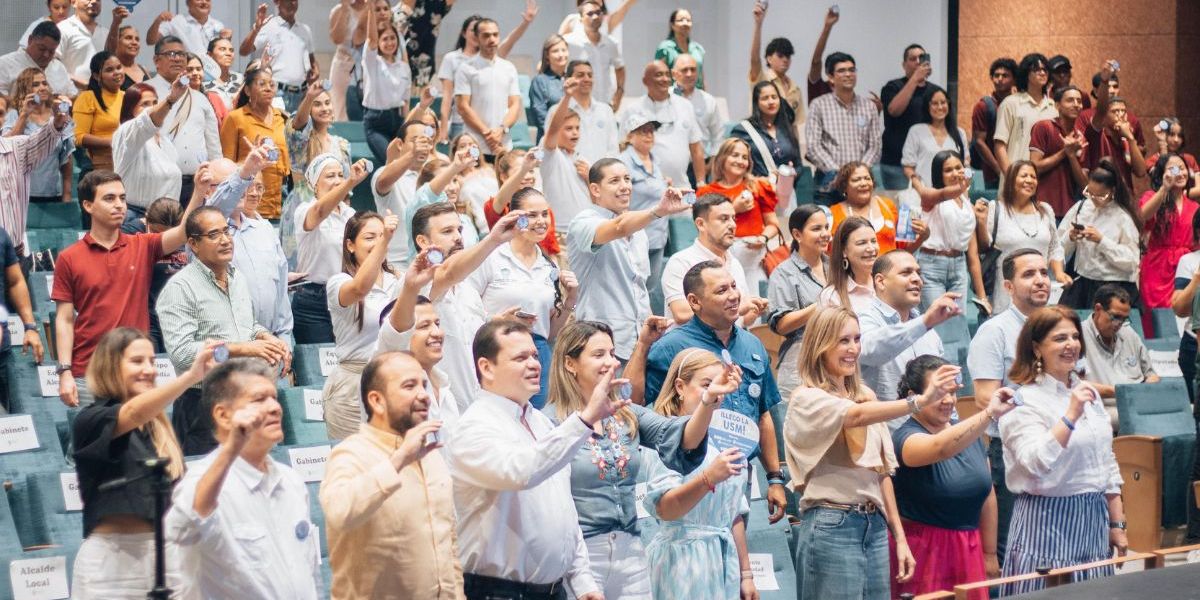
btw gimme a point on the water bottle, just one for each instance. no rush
(904, 229)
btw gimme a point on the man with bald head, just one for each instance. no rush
(678, 139)
(686, 72)
(387, 495)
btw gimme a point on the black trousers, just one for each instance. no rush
(479, 587)
(193, 424)
(310, 313)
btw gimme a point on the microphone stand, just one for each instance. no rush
(156, 468)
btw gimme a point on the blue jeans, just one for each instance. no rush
(381, 127)
(291, 100)
(942, 274)
(543, 347)
(893, 178)
(842, 555)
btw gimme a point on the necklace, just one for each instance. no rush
(1022, 228)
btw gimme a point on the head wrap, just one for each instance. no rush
(313, 173)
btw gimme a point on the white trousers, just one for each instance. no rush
(619, 566)
(120, 566)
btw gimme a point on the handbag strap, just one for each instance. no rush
(760, 145)
(996, 222)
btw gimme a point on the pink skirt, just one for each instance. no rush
(945, 558)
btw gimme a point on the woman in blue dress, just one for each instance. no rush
(699, 551)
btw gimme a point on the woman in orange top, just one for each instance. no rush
(856, 184)
(754, 201)
(253, 119)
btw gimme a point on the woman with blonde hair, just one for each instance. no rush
(839, 450)
(604, 470)
(699, 550)
(113, 438)
(754, 201)
(1058, 458)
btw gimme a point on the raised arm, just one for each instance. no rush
(512, 184)
(329, 200)
(756, 65)
(152, 33)
(920, 450)
(527, 17)
(261, 16)
(355, 290)
(142, 408)
(941, 382)
(815, 65)
(617, 16)
(338, 18)
(627, 223)
(461, 264)
(300, 119)
(372, 30)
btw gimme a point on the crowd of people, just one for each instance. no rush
(513, 342)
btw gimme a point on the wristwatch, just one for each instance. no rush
(913, 407)
(30, 326)
(62, 368)
(1117, 525)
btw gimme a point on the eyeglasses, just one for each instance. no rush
(217, 234)
(172, 53)
(1118, 319)
(1095, 198)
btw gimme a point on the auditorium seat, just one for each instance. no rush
(1155, 452)
(682, 233)
(773, 542)
(297, 427)
(46, 457)
(11, 551)
(53, 215)
(40, 511)
(306, 363)
(1166, 324)
(351, 130)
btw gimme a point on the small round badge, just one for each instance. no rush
(754, 390)
(302, 530)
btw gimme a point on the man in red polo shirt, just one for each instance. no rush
(102, 281)
(1110, 132)
(1054, 148)
(983, 120)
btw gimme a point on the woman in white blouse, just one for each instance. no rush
(1103, 231)
(145, 159)
(520, 280)
(319, 226)
(357, 297)
(949, 258)
(1058, 458)
(1019, 221)
(936, 132)
(851, 258)
(386, 83)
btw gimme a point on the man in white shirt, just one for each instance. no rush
(564, 172)
(39, 53)
(191, 124)
(610, 253)
(82, 36)
(678, 139)
(486, 92)
(437, 227)
(395, 184)
(197, 27)
(597, 123)
(238, 493)
(290, 45)
(58, 9)
(1116, 354)
(426, 341)
(704, 106)
(991, 355)
(713, 215)
(601, 51)
(893, 330)
(518, 530)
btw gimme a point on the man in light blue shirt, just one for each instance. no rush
(256, 249)
(610, 252)
(992, 352)
(893, 330)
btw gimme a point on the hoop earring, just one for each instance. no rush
(845, 264)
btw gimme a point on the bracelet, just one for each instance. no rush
(30, 326)
(746, 575)
(711, 488)
(775, 481)
(1070, 425)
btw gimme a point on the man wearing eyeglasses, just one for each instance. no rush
(1115, 353)
(842, 127)
(210, 300)
(191, 123)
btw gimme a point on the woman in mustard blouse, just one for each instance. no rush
(254, 118)
(97, 110)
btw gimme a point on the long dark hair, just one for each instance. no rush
(96, 66)
(936, 178)
(1107, 175)
(1039, 325)
(783, 118)
(840, 270)
(951, 122)
(350, 264)
(468, 23)
(671, 25)
(1165, 214)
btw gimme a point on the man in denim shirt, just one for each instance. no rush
(715, 300)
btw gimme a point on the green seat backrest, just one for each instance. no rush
(1166, 325)
(53, 215)
(297, 427)
(307, 364)
(682, 233)
(1160, 409)
(41, 513)
(25, 393)
(351, 130)
(774, 541)
(46, 458)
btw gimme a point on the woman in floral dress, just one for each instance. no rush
(604, 470)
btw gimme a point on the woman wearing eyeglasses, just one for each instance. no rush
(1103, 231)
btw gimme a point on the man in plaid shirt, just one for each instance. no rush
(842, 127)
